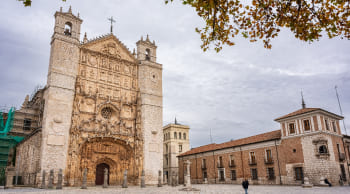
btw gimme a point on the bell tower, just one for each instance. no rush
(150, 85)
(60, 90)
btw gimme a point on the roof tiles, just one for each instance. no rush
(248, 140)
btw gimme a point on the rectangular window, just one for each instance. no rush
(291, 128)
(334, 127)
(204, 164)
(268, 156)
(343, 174)
(205, 175)
(271, 173)
(298, 173)
(179, 135)
(252, 158)
(175, 135)
(27, 124)
(180, 148)
(327, 126)
(233, 175)
(232, 162)
(220, 165)
(222, 175)
(254, 172)
(307, 125)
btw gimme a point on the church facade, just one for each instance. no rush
(102, 109)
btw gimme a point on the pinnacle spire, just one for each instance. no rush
(70, 9)
(175, 121)
(302, 100)
(85, 38)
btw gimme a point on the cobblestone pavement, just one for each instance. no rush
(207, 189)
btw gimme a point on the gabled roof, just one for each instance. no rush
(306, 110)
(273, 135)
(105, 38)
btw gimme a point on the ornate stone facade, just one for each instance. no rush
(103, 108)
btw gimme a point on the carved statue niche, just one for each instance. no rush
(126, 111)
(93, 60)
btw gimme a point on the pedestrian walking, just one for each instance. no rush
(245, 185)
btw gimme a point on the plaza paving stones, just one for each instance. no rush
(206, 189)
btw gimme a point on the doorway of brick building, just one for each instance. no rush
(100, 169)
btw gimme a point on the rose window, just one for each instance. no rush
(106, 112)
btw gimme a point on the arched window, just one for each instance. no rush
(68, 29)
(323, 149)
(175, 135)
(179, 135)
(184, 136)
(148, 54)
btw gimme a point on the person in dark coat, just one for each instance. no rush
(245, 185)
(327, 182)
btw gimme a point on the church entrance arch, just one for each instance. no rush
(100, 169)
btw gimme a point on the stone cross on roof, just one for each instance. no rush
(112, 21)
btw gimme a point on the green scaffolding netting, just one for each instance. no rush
(4, 129)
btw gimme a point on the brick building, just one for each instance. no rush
(309, 144)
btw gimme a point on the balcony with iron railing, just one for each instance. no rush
(269, 160)
(252, 162)
(341, 156)
(220, 165)
(231, 164)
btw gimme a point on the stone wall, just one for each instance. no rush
(151, 93)
(28, 154)
(322, 165)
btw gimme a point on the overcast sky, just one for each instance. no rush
(235, 93)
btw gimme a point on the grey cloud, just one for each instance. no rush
(235, 93)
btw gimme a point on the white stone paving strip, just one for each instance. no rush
(204, 189)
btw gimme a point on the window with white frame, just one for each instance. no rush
(254, 174)
(334, 126)
(233, 175)
(327, 125)
(307, 126)
(291, 127)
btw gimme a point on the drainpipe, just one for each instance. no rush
(240, 148)
(214, 167)
(278, 163)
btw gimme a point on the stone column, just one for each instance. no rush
(50, 185)
(59, 179)
(10, 173)
(188, 174)
(84, 179)
(143, 185)
(43, 184)
(105, 178)
(125, 179)
(159, 178)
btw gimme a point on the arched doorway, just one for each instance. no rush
(100, 169)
